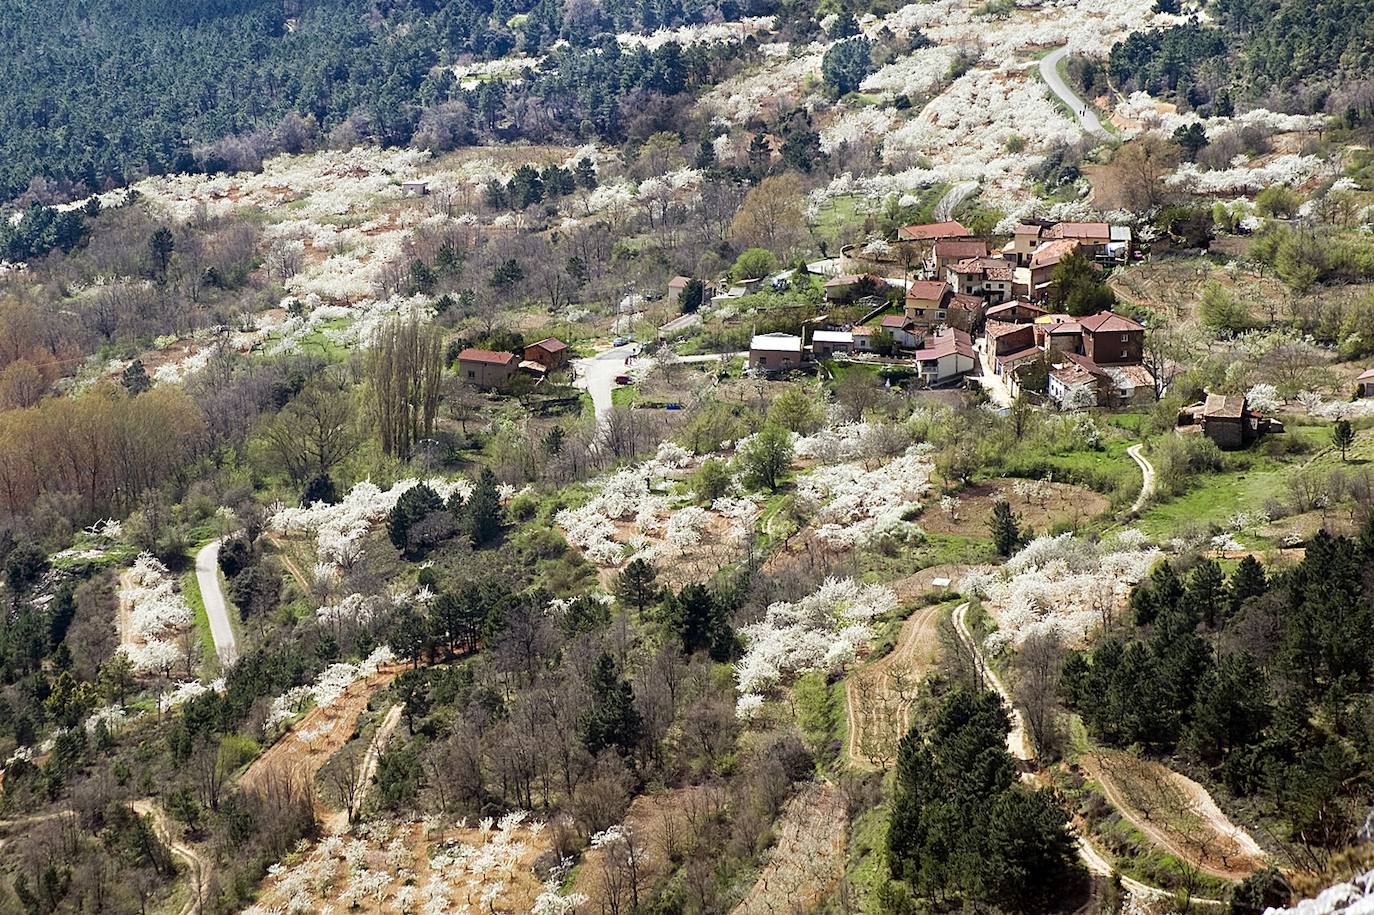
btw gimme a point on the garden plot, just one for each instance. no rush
(413, 866)
(339, 695)
(631, 515)
(1063, 584)
(1040, 504)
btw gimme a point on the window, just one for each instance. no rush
(471, 373)
(1125, 338)
(939, 314)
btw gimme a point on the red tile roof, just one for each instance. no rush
(947, 229)
(961, 248)
(994, 268)
(550, 345)
(1020, 355)
(1051, 253)
(679, 282)
(1093, 231)
(1109, 322)
(932, 290)
(895, 321)
(947, 342)
(995, 329)
(472, 354)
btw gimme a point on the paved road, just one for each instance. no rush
(207, 576)
(990, 380)
(597, 375)
(1147, 476)
(1049, 71)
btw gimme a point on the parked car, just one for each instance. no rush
(620, 341)
(622, 379)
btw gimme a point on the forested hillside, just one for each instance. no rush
(105, 91)
(1301, 55)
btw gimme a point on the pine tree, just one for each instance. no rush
(484, 509)
(1343, 436)
(1247, 581)
(612, 722)
(637, 584)
(135, 378)
(414, 505)
(1006, 532)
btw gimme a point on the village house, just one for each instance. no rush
(826, 343)
(1226, 419)
(949, 251)
(905, 333)
(1025, 238)
(1366, 383)
(675, 288)
(988, 277)
(486, 368)
(945, 354)
(775, 352)
(965, 312)
(1015, 312)
(926, 301)
(1110, 339)
(1073, 387)
(1010, 345)
(863, 338)
(1059, 334)
(550, 354)
(1035, 280)
(1100, 240)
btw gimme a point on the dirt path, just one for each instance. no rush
(292, 566)
(1181, 817)
(1147, 476)
(319, 734)
(809, 857)
(367, 766)
(198, 867)
(891, 682)
(1019, 745)
(1018, 742)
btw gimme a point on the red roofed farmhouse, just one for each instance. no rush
(486, 368)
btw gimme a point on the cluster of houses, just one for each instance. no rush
(486, 368)
(965, 291)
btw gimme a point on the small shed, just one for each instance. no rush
(1226, 420)
(415, 188)
(551, 353)
(1366, 383)
(826, 343)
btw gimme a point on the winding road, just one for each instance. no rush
(207, 576)
(956, 195)
(1147, 476)
(1019, 745)
(1049, 71)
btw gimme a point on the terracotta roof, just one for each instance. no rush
(1109, 322)
(1224, 406)
(961, 248)
(947, 342)
(1072, 375)
(1366, 375)
(948, 229)
(995, 329)
(550, 345)
(679, 282)
(1087, 230)
(1012, 306)
(472, 354)
(1063, 327)
(862, 331)
(966, 300)
(894, 321)
(933, 290)
(1026, 228)
(1051, 253)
